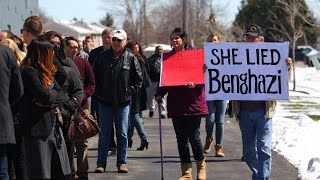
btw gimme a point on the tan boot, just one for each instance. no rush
(219, 150)
(201, 170)
(207, 146)
(186, 169)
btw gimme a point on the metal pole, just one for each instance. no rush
(160, 131)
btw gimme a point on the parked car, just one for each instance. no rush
(305, 53)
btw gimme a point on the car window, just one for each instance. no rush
(307, 50)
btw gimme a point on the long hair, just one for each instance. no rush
(40, 55)
(210, 37)
(12, 45)
(137, 54)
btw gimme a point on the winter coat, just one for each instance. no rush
(117, 79)
(38, 121)
(184, 101)
(154, 69)
(11, 90)
(88, 80)
(139, 100)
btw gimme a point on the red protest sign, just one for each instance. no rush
(180, 68)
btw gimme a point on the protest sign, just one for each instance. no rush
(246, 71)
(180, 68)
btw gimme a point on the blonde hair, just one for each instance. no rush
(12, 45)
(211, 36)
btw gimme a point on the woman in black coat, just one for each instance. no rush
(139, 102)
(45, 145)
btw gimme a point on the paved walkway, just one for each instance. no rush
(145, 165)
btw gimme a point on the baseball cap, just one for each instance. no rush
(120, 34)
(253, 30)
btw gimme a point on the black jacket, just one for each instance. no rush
(116, 78)
(139, 100)
(11, 90)
(94, 53)
(38, 121)
(154, 67)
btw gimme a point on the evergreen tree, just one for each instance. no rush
(265, 13)
(107, 20)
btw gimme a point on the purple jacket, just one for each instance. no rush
(184, 101)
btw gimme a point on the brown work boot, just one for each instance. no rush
(100, 169)
(201, 170)
(219, 150)
(186, 169)
(207, 146)
(123, 168)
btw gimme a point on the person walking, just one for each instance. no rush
(88, 86)
(118, 77)
(138, 103)
(153, 69)
(11, 90)
(186, 106)
(106, 44)
(217, 109)
(72, 88)
(45, 144)
(16, 152)
(255, 121)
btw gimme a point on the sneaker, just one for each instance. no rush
(99, 169)
(123, 168)
(151, 114)
(163, 116)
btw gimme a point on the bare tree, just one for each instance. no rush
(294, 28)
(147, 21)
(136, 18)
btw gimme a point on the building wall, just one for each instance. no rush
(14, 12)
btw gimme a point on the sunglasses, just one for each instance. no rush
(21, 30)
(116, 39)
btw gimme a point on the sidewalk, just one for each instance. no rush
(145, 165)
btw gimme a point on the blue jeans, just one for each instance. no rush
(3, 162)
(136, 122)
(120, 115)
(217, 109)
(256, 132)
(187, 130)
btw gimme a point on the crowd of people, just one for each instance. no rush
(44, 73)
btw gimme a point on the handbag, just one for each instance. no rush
(82, 126)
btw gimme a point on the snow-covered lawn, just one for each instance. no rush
(295, 135)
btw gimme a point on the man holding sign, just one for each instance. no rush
(253, 75)
(255, 118)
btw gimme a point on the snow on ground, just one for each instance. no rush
(295, 135)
